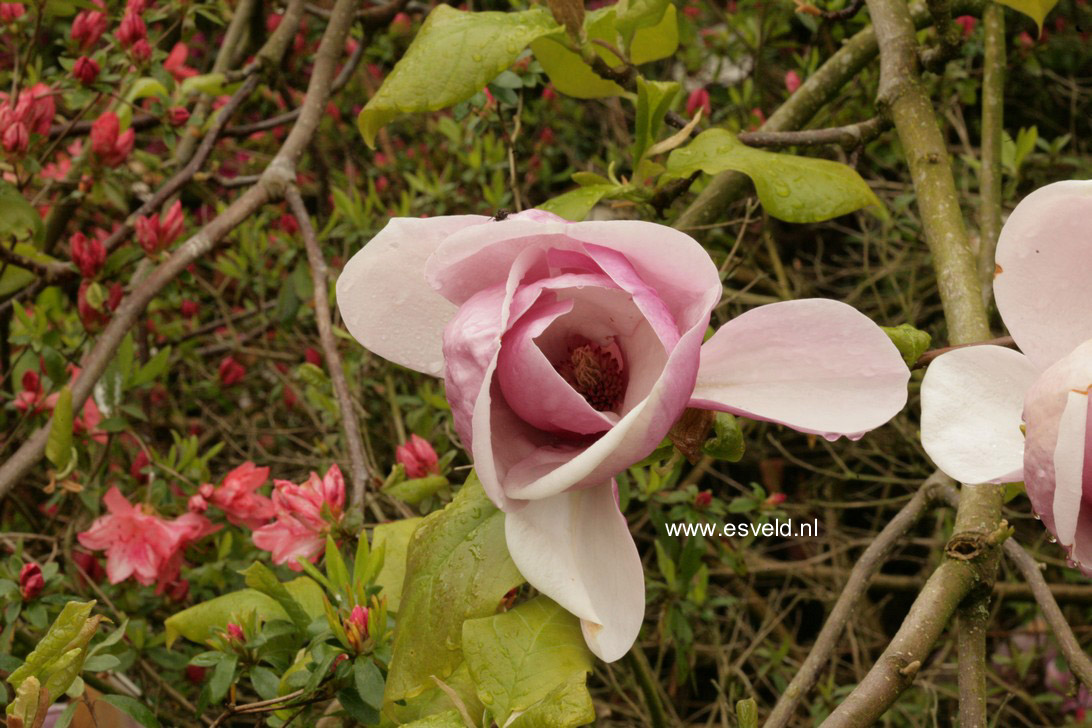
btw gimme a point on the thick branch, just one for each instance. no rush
(321, 281)
(989, 180)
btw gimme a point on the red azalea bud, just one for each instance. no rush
(113, 298)
(88, 27)
(698, 99)
(196, 674)
(774, 500)
(31, 581)
(197, 504)
(231, 371)
(188, 308)
(16, 138)
(10, 12)
(235, 633)
(178, 115)
(136, 469)
(792, 81)
(703, 499)
(418, 457)
(548, 92)
(141, 51)
(89, 564)
(356, 627)
(967, 22)
(88, 255)
(131, 30)
(312, 356)
(108, 143)
(31, 381)
(401, 24)
(178, 590)
(86, 70)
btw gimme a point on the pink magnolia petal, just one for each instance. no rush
(1044, 407)
(576, 548)
(815, 365)
(1043, 262)
(1069, 466)
(384, 299)
(621, 270)
(971, 405)
(531, 385)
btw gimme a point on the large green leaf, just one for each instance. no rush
(517, 658)
(791, 188)
(566, 706)
(634, 14)
(260, 577)
(454, 56)
(447, 719)
(575, 204)
(654, 99)
(202, 621)
(1037, 10)
(395, 537)
(457, 568)
(436, 701)
(70, 632)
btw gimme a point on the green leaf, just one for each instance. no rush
(457, 568)
(222, 677)
(59, 445)
(202, 621)
(336, 571)
(566, 706)
(454, 56)
(72, 629)
(575, 204)
(654, 99)
(415, 490)
(568, 72)
(1037, 10)
(135, 709)
(27, 703)
(727, 440)
(18, 218)
(15, 278)
(910, 342)
(656, 42)
(447, 719)
(395, 538)
(747, 713)
(211, 84)
(153, 369)
(634, 14)
(368, 681)
(518, 657)
(144, 88)
(357, 709)
(791, 188)
(261, 577)
(265, 682)
(435, 700)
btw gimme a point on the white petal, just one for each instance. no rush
(1069, 466)
(384, 299)
(576, 548)
(815, 365)
(971, 404)
(1044, 260)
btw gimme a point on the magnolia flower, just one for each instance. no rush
(140, 544)
(304, 514)
(974, 399)
(237, 498)
(570, 349)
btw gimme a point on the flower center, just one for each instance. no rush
(596, 374)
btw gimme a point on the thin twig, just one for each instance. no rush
(849, 136)
(49, 271)
(924, 359)
(321, 283)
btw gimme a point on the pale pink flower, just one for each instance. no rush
(304, 516)
(237, 498)
(974, 399)
(418, 457)
(570, 349)
(138, 544)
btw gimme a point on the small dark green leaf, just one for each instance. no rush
(368, 681)
(59, 444)
(223, 675)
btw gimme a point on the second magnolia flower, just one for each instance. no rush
(569, 350)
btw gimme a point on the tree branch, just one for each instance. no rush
(989, 180)
(321, 281)
(849, 136)
(856, 585)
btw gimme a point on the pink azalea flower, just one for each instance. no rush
(418, 457)
(175, 63)
(973, 399)
(237, 498)
(155, 233)
(304, 515)
(569, 350)
(138, 544)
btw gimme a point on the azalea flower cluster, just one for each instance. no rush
(148, 547)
